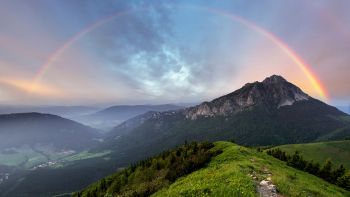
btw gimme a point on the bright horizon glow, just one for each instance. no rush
(302, 65)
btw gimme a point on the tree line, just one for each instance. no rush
(339, 176)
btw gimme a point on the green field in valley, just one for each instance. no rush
(86, 155)
(339, 151)
(25, 154)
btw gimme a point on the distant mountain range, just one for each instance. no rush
(32, 128)
(115, 115)
(64, 111)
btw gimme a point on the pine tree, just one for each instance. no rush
(316, 168)
(103, 184)
(232, 140)
(172, 158)
(309, 166)
(115, 187)
(325, 171)
(344, 181)
(284, 157)
(194, 146)
(339, 172)
(294, 159)
(186, 144)
(246, 145)
(301, 162)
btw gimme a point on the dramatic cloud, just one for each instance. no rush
(163, 52)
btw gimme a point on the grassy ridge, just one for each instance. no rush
(236, 172)
(339, 151)
(227, 175)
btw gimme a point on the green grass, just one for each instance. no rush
(339, 151)
(86, 155)
(100, 140)
(228, 175)
(51, 152)
(20, 157)
(59, 195)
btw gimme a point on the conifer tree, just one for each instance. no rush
(232, 140)
(316, 168)
(103, 184)
(325, 171)
(294, 159)
(301, 162)
(309, 166)
(339, 172)
(246, 145)
(344, 181)
(284, 157)
(186, 144)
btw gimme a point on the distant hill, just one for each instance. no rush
(63, 111)
(33, 128)
(339, 151)
(113, 116)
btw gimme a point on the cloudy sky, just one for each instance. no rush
(136, 52)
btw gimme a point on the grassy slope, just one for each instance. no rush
(339, 151)
(227, 175)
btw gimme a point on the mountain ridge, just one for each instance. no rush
(274, 87)
(259, 108)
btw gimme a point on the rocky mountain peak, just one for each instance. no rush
(274, 79)
(274, 90)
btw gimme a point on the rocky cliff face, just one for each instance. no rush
(274, 88)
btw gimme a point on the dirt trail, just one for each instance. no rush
(265, 187)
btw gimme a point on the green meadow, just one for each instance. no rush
(86, 155)
(25, 155)
(339, 151)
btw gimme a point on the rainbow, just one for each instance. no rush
(304, 67)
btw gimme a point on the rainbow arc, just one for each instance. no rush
(303, 66)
